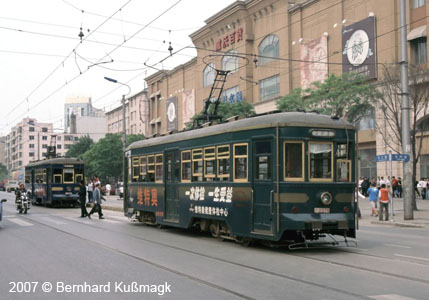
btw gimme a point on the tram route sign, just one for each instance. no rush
(401, 157)
(382, 158)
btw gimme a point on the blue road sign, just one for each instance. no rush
(401, 157)
(381, 158)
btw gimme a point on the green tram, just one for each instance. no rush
(54, 181)
(279, 177)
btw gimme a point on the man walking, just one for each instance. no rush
(97, 202)
(384, 199)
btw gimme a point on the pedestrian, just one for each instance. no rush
(394, 186)
(82, 199)
(423, 184)
(399, 187)
(108, 188)
(359, 197)
(90, 190)
(97, 202)
(365, 186)
(384, 198)
(373, 197)
(416, 188)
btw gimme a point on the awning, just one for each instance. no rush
(417, 33)
(158, 120)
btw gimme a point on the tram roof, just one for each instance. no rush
(298, 119)
(56, 161)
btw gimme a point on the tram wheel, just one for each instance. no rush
(246, 242)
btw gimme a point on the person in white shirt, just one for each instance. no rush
(90, 189)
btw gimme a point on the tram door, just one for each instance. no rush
(172, 186)
(263, 187)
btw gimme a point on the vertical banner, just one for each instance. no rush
(188, 107)
(172, 123)
(312, 53)
(359, 48)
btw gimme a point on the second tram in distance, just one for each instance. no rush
(279, 177)
(54, 181)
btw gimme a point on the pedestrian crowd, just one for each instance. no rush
(380, 191)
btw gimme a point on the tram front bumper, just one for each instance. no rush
(318, 221)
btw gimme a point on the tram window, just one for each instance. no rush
(158, 168)
(223, 162)
(263, 160)
(320, 161)
(143, 167)
(209, 163)
(197, 165)
(344, 170)
(186, 166)
(136, 168)
(57, 176)
(78, 176)
(293, 161)
(341, 151)
(151, 168)
(68, 175)
(240, 162)
(27, 177)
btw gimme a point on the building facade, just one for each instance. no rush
(136, 116)
(80, 107)
(272, 47)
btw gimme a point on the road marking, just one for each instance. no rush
(112, 221)
(398, 246)
(391, 297)
(9, 216)
(20, 222)
(54, 221)
(123, 219)
(415, 257)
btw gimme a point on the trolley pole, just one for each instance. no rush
(405, 117)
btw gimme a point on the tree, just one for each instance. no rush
(349, 96)
(134, 138)
(227, 110)
(3, 172)
(79, 148)
(390, 124)
(104, 158)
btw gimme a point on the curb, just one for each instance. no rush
(397, 224)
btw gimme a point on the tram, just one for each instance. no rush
(54, 181)
(282, 177)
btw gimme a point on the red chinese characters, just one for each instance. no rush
(229, 39)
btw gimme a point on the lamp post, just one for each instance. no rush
(124, 139)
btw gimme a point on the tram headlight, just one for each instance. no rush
(326, 198)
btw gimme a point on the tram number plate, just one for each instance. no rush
(321, 210)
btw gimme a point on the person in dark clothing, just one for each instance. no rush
(365, 186)
(82, 199)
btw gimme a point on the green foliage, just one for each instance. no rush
(79, 148)
(3, 172)
(227, 110)
(134, 138)
(105, 157)
(349, 97)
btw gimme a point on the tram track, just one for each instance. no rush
(241, 265)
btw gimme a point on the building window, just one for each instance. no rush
(58, 146)
(268, 49)
(31, 129)
(31, 154)
(31, 137)
(44, 138)
(58, 138)
(418, 3)
(209, 74)
(229, 61)
(44, 129)
(269, 88)
(31, 146)
(44, 146)
(419, 50)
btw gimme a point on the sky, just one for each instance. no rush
(43, 60)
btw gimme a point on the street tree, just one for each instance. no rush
(104, 158)
(348, 96)
(134, 138)
(78, 149)
(390, 126)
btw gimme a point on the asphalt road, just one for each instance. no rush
(118, 259)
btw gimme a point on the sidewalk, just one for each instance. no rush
(421, 216)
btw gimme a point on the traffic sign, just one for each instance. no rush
(381, 158)
(401, 157)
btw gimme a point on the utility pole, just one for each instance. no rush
(407, 183)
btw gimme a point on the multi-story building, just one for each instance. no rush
(79, 107)
(29, 140)
(136, 116)
(3, 150)
(272, 47)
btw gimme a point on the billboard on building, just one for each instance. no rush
(188, 105)
(171, 109)
(359, 48)
(314, 61)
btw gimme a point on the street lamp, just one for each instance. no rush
(124, 132)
